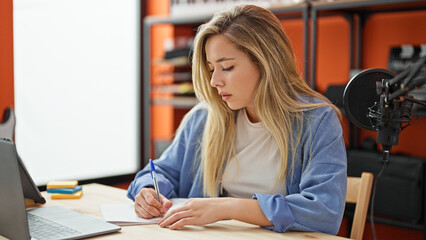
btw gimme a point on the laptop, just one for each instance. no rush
(39, 223)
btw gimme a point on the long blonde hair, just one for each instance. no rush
(278, 98)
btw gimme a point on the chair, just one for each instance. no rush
(358, 192)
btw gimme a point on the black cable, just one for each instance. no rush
(385, 162)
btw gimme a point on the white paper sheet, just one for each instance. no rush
(124, 213)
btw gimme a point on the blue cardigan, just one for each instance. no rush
(316, 191)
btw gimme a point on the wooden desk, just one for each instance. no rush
(96, 194)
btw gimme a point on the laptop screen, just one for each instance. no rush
(13, 216)
(29, 188)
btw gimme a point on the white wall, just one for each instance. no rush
(77, 80)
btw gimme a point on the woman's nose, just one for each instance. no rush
(215, 80)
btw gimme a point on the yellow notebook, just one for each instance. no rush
(76, 195)
(62, 184)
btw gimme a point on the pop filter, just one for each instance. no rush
(360, 94)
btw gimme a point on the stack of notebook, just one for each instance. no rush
(64, 189)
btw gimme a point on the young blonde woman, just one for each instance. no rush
(261, 147)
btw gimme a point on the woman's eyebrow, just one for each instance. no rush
(223, 59)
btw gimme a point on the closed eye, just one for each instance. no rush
(223, 69)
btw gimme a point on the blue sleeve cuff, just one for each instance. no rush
(276, 211)
(166, 188)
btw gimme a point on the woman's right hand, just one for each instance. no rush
(147, 205)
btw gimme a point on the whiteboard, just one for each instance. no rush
(77, 84)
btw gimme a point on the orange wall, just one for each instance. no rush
(158, 7)
(6, 56)
(332, 52)
(294, 30)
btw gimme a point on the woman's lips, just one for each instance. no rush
(225, 96)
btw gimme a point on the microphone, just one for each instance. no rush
(377, 100)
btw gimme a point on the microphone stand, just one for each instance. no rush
(394, 108)
(395, 105)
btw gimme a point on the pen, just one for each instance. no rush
(154, 179)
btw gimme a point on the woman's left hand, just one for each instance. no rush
(196, 211)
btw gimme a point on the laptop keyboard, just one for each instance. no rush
(41, 228)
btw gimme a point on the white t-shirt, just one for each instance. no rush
(256, 167)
